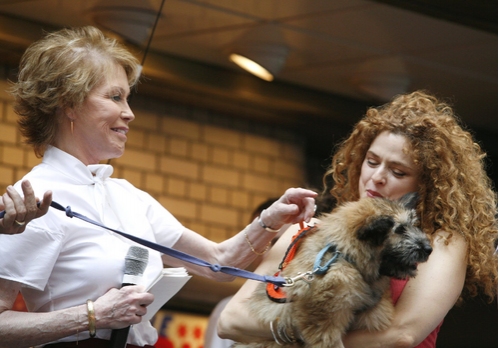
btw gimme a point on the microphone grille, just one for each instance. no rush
(136, 260)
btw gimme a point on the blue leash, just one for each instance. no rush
(278, 281)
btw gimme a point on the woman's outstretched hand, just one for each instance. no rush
(20, 211)
(294, 206)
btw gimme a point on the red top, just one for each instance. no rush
(397, 286)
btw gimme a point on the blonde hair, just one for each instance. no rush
(58, 72)
(456, 194)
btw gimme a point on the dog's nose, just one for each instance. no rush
(427, 249)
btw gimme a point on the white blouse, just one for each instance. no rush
(64, 261)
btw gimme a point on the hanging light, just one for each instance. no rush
(261, 51)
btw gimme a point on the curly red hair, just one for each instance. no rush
(456, 194)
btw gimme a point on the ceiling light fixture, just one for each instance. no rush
(261, 51)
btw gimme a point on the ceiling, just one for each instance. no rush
(343, 54)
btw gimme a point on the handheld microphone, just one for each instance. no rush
(135, 263)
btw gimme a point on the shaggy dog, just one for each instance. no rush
(340, 274)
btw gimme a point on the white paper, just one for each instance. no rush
(166, 284)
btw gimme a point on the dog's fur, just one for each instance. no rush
(377, 239)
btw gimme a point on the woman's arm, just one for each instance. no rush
(116, 309)
(235, 323)
(425, 300)
(239, 251)
(21, 329)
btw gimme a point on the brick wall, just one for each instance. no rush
(209, 170)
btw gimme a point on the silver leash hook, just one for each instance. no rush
(307, 276)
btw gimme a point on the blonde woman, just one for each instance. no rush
(71, 97)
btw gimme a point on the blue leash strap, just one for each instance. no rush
(322, 269)
(279, 281)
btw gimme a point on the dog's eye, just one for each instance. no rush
(400, 229)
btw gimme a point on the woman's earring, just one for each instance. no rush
(71, 127)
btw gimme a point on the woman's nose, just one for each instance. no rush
(379, 176)
(127, 113)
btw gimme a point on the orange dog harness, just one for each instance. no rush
(277, 293)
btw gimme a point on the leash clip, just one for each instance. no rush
(307, 276)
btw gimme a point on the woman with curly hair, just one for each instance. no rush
(413, 144)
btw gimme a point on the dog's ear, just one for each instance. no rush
(376, 231)
(409, 200)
